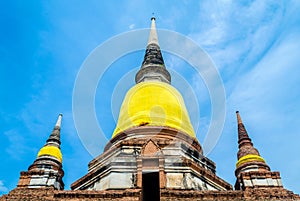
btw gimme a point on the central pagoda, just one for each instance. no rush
(153, 146)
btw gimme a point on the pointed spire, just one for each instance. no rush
(55, 135)
(153, 67)
(58, 122)
(247, 153)
(243, 137)
(239, 120)
(153, 39)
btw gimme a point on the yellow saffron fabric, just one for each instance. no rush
(154, 103)
(51, 151)
(248, 158)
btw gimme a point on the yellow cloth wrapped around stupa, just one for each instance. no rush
(154, 103)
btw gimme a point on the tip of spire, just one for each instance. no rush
(153, 17)
(58, 122)
(153, 35)
(239, 119)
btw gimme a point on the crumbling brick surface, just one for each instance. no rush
(266, 194)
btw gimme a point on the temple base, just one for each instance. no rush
(174, 156)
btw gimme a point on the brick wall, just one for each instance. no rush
(49, 194)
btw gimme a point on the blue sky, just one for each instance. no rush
(254, 45)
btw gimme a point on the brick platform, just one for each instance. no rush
(135, 195)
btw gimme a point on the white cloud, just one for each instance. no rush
(276, 76)
(3, 188)
(131, 26)
(237, 33)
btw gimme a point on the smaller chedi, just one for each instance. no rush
(46, 171)
(153, 154)
(252, 170)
